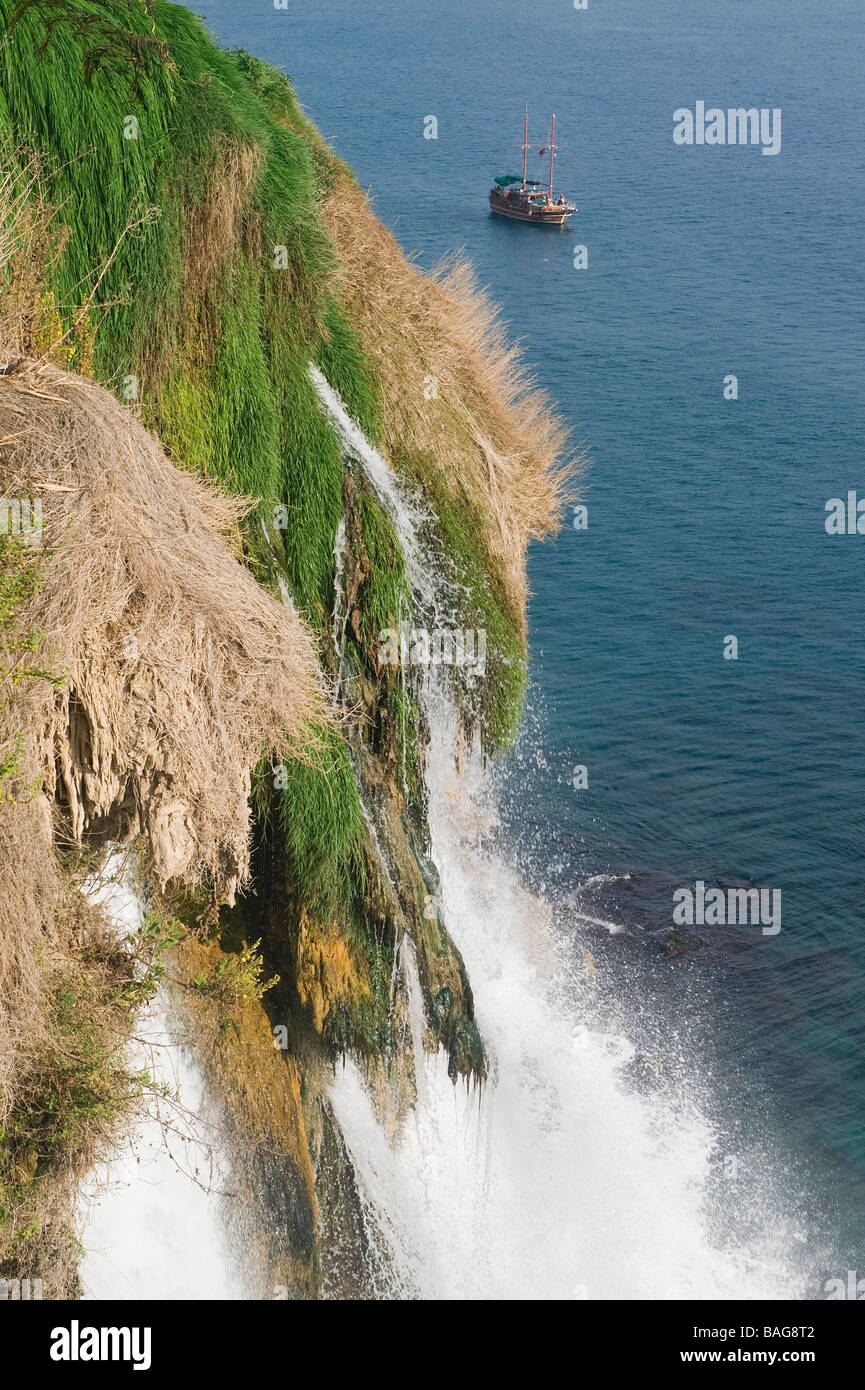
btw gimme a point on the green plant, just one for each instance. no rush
(496, 700)
(322, 824)
(107, 43)
(148, 947)
(73, 1090)
(237, 978)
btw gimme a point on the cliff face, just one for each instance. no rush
(200, 677)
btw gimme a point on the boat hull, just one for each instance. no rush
(545, 219)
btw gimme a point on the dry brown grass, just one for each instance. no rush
(181, 668)
(29, 885)
(31, 241)
(213, 234)
(493, 434)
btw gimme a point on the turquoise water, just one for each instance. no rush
(706, 516)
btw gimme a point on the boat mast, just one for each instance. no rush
(525, 148)
(552, 156)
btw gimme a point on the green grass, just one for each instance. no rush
(386, 595)
(323, 828)
(343, 363)
(278, 95)
(312, 470)
(232, 399)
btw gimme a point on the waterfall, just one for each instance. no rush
(153, 1218)
(404, 510)
(555, 1180)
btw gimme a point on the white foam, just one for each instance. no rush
(152, 1218)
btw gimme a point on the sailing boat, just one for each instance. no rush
(527, 199)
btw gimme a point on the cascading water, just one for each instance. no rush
(153, 1219)
(340, 607)
(405, 512)
(555, 1180)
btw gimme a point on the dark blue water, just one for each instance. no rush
(706, 516)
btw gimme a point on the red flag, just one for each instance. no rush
(542, 151)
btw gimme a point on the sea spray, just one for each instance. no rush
(555, 1180)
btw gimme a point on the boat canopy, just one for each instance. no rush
(506, 180)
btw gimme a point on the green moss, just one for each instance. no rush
(323, 827)
(385, 589)
(497, 698)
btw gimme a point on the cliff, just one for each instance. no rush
(192, 662)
